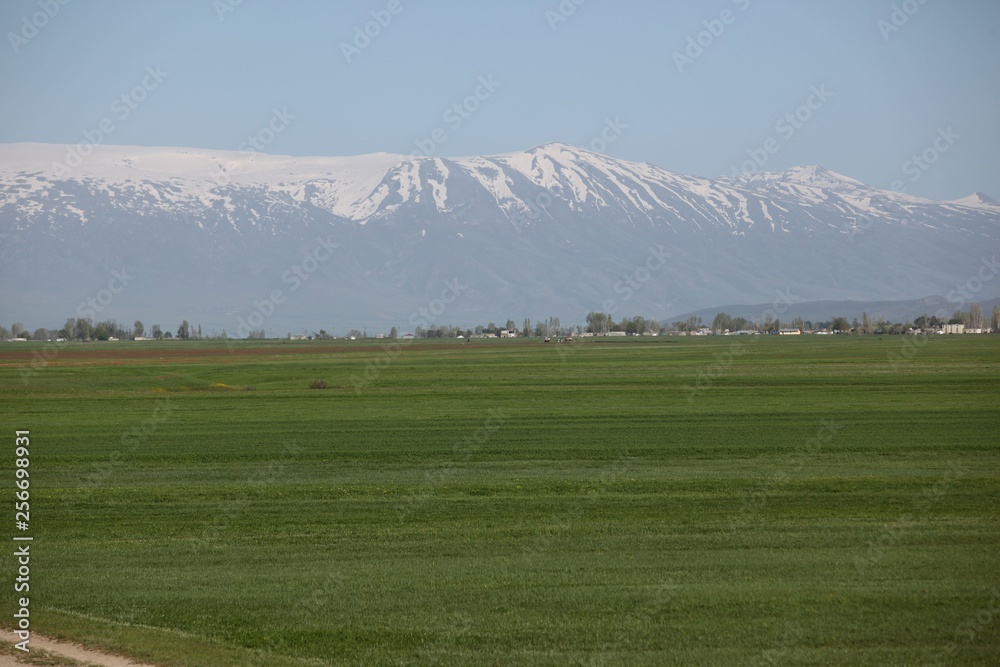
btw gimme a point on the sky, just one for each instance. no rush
(900, 94)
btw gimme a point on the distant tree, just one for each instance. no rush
(637, 325)
(199, 331)
(598, 323)
(354, 333)
(799, 324)
(510, 325)
(41, 334)
(840, 324)
(976, 319)
(69, 329)
(4, 333)
(184, 330)
(867, 323)
(995, 319)
(167, 335)
(157, 332)
(721, 322)
(138, 329)
(101, 331)
(16, 329)
(84, 327)
(255, 334)
(393, 333)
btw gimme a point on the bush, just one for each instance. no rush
(318, 384)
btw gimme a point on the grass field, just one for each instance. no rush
(718, 501)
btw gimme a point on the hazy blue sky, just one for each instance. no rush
(890, 93)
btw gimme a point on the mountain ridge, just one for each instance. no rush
(552, 230)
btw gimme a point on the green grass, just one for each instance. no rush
(816, 500)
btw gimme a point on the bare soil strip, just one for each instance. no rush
(74, 652)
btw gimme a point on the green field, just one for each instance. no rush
(676, 501)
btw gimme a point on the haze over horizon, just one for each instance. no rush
(899, 95)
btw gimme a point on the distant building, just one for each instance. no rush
(297, 337)
(789, 332)
(504, 333)
(953, 328)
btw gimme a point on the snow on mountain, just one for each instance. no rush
(552, 230)
(977, 200)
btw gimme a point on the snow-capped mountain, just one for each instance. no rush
(211, 236)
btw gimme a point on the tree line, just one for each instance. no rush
(85, 329)
(597, 323)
